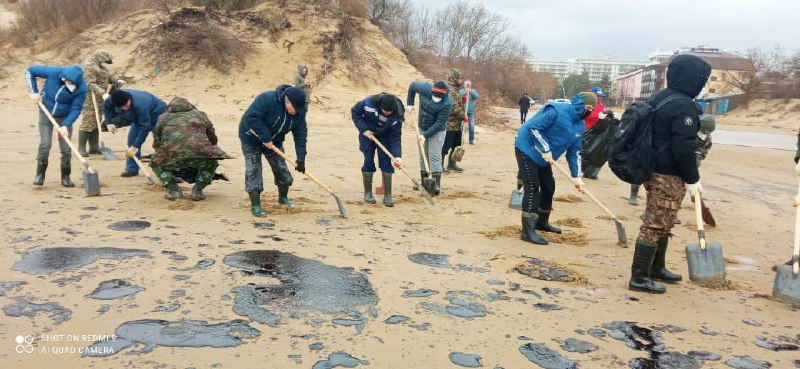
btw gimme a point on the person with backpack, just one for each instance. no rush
(656, 145)
(554, 130)
(379, 117)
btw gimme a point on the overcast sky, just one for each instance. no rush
(630, 29)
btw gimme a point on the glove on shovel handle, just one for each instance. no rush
(698, 213)
(66, 139)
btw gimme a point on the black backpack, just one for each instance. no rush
(631, 155)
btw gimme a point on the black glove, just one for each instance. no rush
(610, 114)
(301, 166)
(796, 158)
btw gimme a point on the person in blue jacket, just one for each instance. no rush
(435, 108)
(264, 126)
(554, 130)
(142, 110)
(63, 95)
(379, 117)
(473, 96)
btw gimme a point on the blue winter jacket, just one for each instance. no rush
(556, 128)
(144, 112)
(366, 116)
(267, 116)
(473, 95)
(432, 116)
(56, 98)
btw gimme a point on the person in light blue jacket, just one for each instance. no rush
(555, 130)
(63, 95)
(473, 95)
(435, 106)
(142, 110)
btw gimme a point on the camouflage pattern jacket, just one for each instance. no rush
(458, 113)
(703, 146)
(183, 133)
(97, 77)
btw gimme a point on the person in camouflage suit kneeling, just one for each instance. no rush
(98, 78)
(184, 138)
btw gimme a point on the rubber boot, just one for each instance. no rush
(127, 174)
(82, 137)
(659, 270)
(643, 257)
(41, 168)
(422, 175)
(94, 142)
(255, 204)
(367, 179)
(387, 190)
(451, 165)
(66, 170)
(437, 183)
(197, 191)
(529, 229)
(174, 192)
(283, 196)
(633, 200)
(543, 224)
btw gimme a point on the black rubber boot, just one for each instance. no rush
(174, 192)
(643, 256)
(422, 175)
(255, 204)
(529, 229)
(283, 197)
(437, 183)
(94, 142)
(451, 165)
(66, 170)
(633, 200)
(82, 138)
(659, 270)
(197, 191)
(387, 190)
(366, 177)
(543, 224)
(127, 174)
(41, 168)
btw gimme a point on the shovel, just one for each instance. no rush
(425, 194)
(109, 155)
(339, 202)
(706, 264)
(708, 218)
(459, 151)
(91, 179)
(427, 183)
(516, 199)
(150, 177)
(787, 280)
(622, 238)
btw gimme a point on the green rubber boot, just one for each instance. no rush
(367, 178)
(283, 197)
(255, 204)
(174, 192)
(387, 190)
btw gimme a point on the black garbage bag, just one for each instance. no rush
(594, 153)
(189, 174)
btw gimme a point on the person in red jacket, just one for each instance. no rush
(600, 109)
(589, 170)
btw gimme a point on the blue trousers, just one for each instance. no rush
(130, 165)
(368, 148)
(471, 127)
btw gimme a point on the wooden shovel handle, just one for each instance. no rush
(698, 214)
(66, 139)
(796, 251)
(309, 176)
(588, 194)
(139, 163)
(422, 148)
(389, 154)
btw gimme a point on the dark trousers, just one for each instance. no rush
(451, 140)
(253, 177)
(538, 184)
(523, 114)
(369, 149)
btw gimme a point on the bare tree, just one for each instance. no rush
(763, 65)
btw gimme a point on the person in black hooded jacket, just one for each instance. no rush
(675, 128)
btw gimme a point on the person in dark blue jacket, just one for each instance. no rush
(271, 116)
(554, 130)
(379, 117)
(142, 110)
(435, 106)
(63, 95)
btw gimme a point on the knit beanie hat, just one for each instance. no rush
(388, 103)
(589, 98)
(439, 89)
(120, 97)
(707, 123)
(296, 96)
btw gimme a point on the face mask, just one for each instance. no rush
(586, 113)
(702, 135)
(70, 86)
(436, 99)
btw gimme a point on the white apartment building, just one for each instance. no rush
(594, 67)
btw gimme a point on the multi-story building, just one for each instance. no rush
(594, 67)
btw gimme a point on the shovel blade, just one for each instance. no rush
(340, 205)
(622, 237)
(108, 154)
(516, 200)
(708, 218)
(787, 286)
(422, 190)
(705, 267)
(458, 154)
(91, 182)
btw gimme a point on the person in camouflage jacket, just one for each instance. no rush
(184, 137)
(98, 78)
(455, 121)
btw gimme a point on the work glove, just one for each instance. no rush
(63, 133)
(601, 116)
(421, 138)
(797, 201)
(579, 185)
(105, 97)
(548, 157)
(694, 188)
(301, 166)
(410, 108)
(397, 162)
(121, 82)
(130, 152)
(520, 184)
(112, 128)
(797, 168)
(369, 134)
(36, 97)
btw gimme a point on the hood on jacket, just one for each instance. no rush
(688, 74)
(300, 68)
(73, 74)
(578, 104)
(102, 57)
(281, 92)
(180, 105)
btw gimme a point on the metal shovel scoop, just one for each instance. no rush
(706, 264)
(787, 277)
